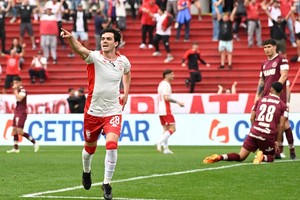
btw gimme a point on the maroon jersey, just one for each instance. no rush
(268, 111)
(270, 72)
(21, 107)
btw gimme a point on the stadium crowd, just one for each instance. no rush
(174, 14)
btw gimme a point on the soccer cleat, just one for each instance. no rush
(36, 146)
(282, 155)
(212, 159)
(259, 157)
(13, 151)
(86, 180)
(107, 194)
(292, 154)
(158, 147)
(168, 151)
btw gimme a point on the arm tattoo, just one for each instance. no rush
(261, 86)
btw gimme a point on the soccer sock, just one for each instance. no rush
(289, 137)
(231, 157)
(165, 137)
(26, 135)
(86, 161)
(110, 164)
(165, 144)
(16, 140)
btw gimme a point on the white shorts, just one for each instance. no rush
(80, 34)
(225, 46)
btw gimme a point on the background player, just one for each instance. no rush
(275, 69)
(164, 110)
(267, 117)
(20, 115)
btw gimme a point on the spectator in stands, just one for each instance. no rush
(25, 11)
(121, 14)
(74, 4)
(82, 99)
(14, 5)
(94, 4)
(226, 36)
(148, 24)
(3, 12)
(73, 101)
(80, 26)
(216, 27)
(197, 3)
(12, 67)
(38, 68)
(285, 6)
(183, 18)
(297, 32)
(66, 11)
(274, 10)
(100, 23)
(254, 25)
(133, 6)
(171, 7)
(57, 10)
(18, 48)
(227, 90)
(228, 5)
(111, 12)
(48, 32)
(239, 16)
(163, 32)
(278, 30)
(192, 57)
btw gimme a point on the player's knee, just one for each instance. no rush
(90, 150)
(171, 131)
(111, 145)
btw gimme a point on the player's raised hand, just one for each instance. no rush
(65, 34)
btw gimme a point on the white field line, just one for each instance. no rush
(74, 197)
(40, 194)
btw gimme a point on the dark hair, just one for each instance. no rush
(166, 72)
(270, 41)
(162, 8)
(277, 86)
(117, 34)
(17, 78)
(70, 89)
(81, 90)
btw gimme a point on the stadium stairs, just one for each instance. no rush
(147, 70)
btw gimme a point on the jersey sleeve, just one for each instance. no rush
(91, 57)
(284, 65)
(127, 65)
(22, 92)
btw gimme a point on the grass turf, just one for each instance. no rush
(143, 173)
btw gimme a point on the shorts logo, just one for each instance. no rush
(218, 132)
(88, 134)
(115, 121)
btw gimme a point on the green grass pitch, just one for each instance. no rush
(144, 174)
